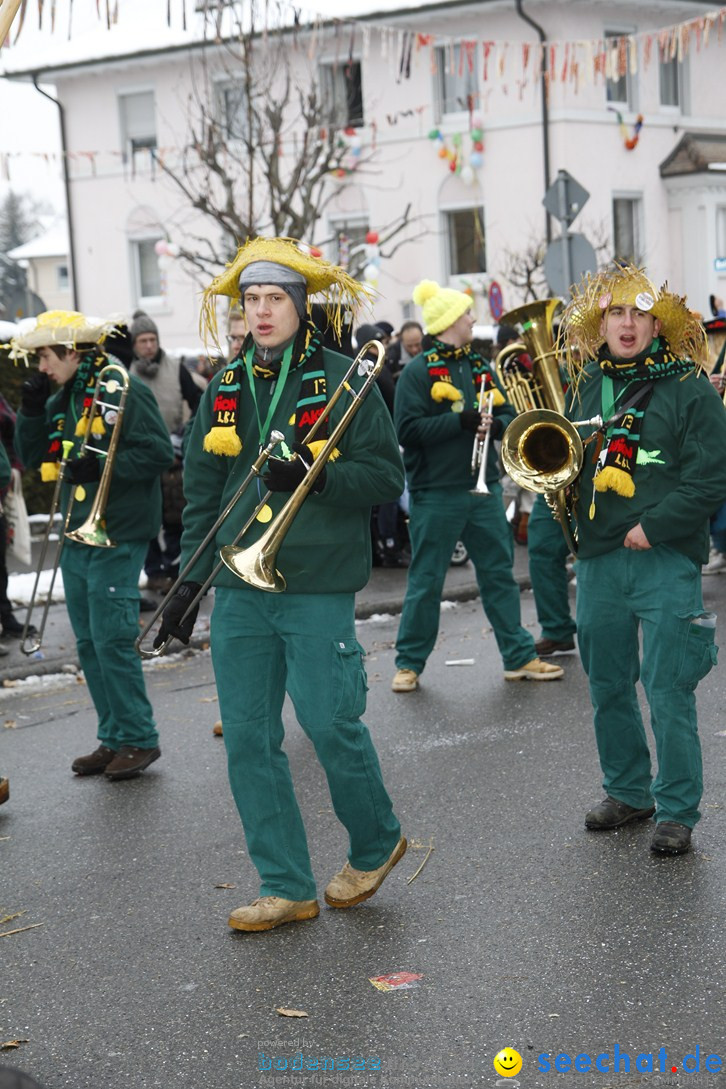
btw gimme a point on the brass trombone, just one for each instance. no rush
(93, 530)
(256, 565)
(275, 438)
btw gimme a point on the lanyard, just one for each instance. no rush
(609, 397)
(277, 392)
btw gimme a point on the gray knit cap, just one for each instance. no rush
(142, 323)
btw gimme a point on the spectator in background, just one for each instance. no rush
(176, 392)
(178, 397)
(408, 345)
(237, 331)
(11, 626)
(387, 332)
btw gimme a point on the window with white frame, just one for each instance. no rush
(341, 88)
(62, 279)
(232, 109)
(465, 240)
(146, 271)
(721, 232)
(456, 79)
(673, 81)
(619, 84)
(349, 238)
(138, 123)
(628, 229)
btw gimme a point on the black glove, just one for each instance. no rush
(171, 617)
(470, 420)
(85, 470)
(285, 476)
(35, 392)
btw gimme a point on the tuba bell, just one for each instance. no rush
(543, 387)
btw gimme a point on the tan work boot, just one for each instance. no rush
(536, 670)
(350, 887)
(217, 728)
(4, 789)
(267, 912)
(405, 680)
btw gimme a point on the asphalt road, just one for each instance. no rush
(525, 930)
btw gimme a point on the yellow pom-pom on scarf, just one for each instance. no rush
(49, 471)
(445, 391)
(615, 480)
(223, 440)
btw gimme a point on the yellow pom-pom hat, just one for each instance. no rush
(440, 306)
(580, 335)
(65, 327)
(336, 289)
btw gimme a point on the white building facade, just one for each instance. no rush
(442, 106)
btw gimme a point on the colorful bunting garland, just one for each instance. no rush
(631, 142)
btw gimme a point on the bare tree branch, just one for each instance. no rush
(264, 150)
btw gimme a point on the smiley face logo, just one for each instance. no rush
(508, 1062)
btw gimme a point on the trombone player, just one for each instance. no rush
(101, 583)
(302, 640)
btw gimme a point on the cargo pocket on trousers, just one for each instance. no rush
(349, 677)
(700, 653)
(121, 614)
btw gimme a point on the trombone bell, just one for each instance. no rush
(254, 565)
(92, 532)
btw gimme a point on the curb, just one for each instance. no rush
(364, 609)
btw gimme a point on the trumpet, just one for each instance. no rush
(481, 449)
(256, 565)
(93, 530)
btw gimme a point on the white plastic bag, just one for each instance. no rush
(17, 526)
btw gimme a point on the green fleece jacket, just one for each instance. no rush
(328, 546)
(436, 450)
(133, 511)
(680, 476)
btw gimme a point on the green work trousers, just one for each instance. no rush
(263, 645)
(658, 591)
(548, 552)
(102, 595)
(439, 517)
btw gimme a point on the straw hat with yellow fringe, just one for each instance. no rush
(337, 289)
(64, 327)
(580, 337)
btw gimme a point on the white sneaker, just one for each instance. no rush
(716, 563)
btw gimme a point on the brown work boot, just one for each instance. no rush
(95, 762)
(405, 680)
(130, 761)
(350, 887)
(4, 789)
(546, 648)
(267, 912)
(217, 728)
(536, 670)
